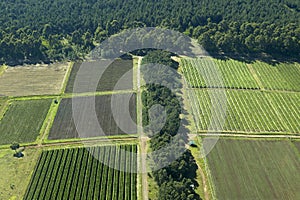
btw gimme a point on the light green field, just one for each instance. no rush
(204, 72)
(282, 76)
(15, 173)
(255, 169)
(247, 111)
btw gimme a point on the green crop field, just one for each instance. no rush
(297, 144)
(33, 80)
(288, 106)
(279, 77)
(64, 126)
(76, 174)
(3, 102)
(107, 77)
(22, 121)
(254, 169)
(234, 74)
(250, 111)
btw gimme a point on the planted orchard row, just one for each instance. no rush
(80, 174)
(279, 77)
(211, 73)
(250, 111)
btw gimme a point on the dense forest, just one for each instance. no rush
(49, 30)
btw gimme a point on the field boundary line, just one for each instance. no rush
(66, 78)
(102, 93)
(248, 135)
(4, 109)
(49, 121)
(208, 173)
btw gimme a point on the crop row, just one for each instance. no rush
(106, 172)
(211, 73)
(279, 77)
(250, 111)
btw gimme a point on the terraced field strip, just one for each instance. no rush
(23, 120)
(80, 173)
(283, 76)
(255, 169)
(247, 111)
(201, 73)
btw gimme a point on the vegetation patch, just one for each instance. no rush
(23, 120)
(33, 80)
(213, 73)
(80, 173)
(283, 76)
(64, 126)
(108, 77)
(16, 172)
(254, 169)
(249, 111)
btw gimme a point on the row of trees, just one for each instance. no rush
(161, 119)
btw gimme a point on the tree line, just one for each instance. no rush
(34, 31)
(177, 177)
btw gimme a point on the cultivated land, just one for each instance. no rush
(98, 77)
(33, 80)
(255, 169)
(297, 144)
(15, 173)
(248, 111)
(80, 174)
(201, 73)
(23, 120)
(278, 77)
(64, 126)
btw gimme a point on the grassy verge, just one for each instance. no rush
(152, 185)
(16, 173)
(66, 78)
(2, 69)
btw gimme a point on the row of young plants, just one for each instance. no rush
(85, 173)
(249, 111)
(283, 76)
(177, 176)
(212, 73)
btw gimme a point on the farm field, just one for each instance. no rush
(108, 78)
(200, 73)
(249, 111)
(297, 144)
(254, 169)
(279, 77)
(288, 106)
(33, 80)
(77, 174)
(3, 102)
(15, 173)
(64, 126)
(22, 121)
